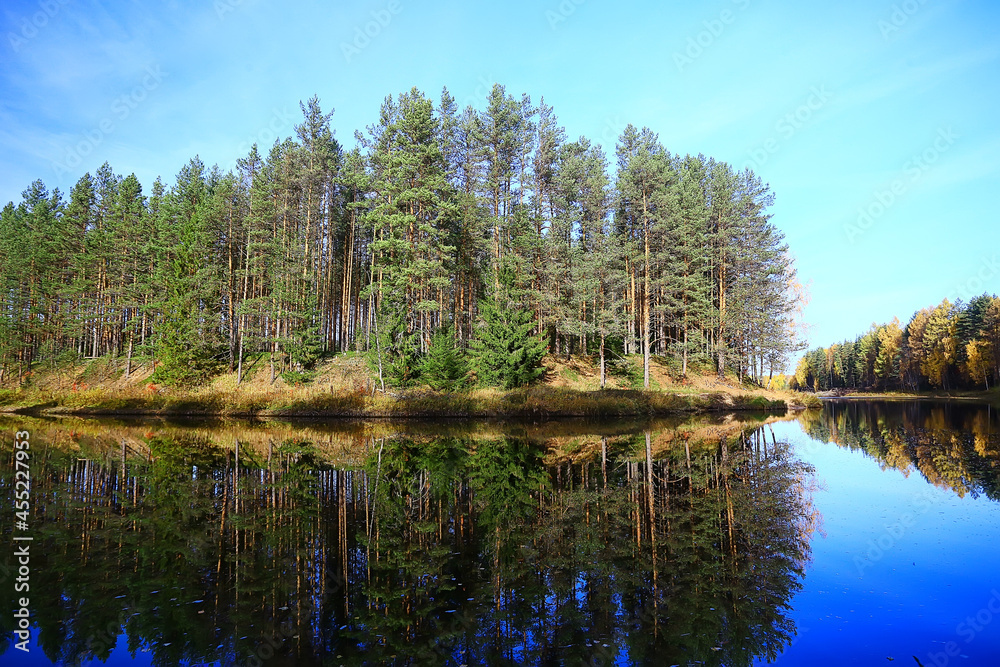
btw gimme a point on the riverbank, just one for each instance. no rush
(343, 387)
(991, 397)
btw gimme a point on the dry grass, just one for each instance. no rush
(343, 387)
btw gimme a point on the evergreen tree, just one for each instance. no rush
(395, 354)
(506, 353)
(688, 282)
(444, 368)
(642, 177)
(413, 214)
(379, 248)
(188, 342)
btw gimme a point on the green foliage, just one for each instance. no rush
(623, 368)
(300, 464)
(506, 353)
(305, 345)
(944, 347)
(188, 346)
(180, 364)
(395, 355)
(444, 367)
(298, 377)
(306, 249)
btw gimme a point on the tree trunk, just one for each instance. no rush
(128, 360)
(684, 364)
(720, 340)
(645, 300)
(603, 376)
(241, 326)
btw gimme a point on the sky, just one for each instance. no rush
(874, 122)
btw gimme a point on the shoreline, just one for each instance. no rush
(532, 403)
(991, 397)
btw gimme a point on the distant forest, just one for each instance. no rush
(480, 235)
(949, 346)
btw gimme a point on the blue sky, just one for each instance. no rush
(884, 107)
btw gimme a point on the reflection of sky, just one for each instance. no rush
(35, 656)
(913, 599)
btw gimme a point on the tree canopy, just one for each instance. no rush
(308, 249)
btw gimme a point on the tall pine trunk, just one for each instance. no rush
(128, 360)
(645, 299)
(603, 375)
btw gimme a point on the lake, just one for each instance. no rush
(863, 533)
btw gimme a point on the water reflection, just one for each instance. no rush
(666, 543)
(952, 445)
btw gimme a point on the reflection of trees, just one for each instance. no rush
(448, 550)
(953, 445)
(707, 562)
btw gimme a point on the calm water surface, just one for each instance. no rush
(865, 533)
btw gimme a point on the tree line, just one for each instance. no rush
(445, 238)
(948, 346)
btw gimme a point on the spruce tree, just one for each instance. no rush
(444, 368)
(394, 354)
(506, 352)
(188, 343)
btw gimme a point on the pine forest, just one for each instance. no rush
(448, 246)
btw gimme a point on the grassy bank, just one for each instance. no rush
(992, 396)
(343, 388)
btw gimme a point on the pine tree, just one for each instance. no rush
(642, 176)
(132, 217)
(413, 216)
(687, 283)
(304, 347)
(380, 248)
